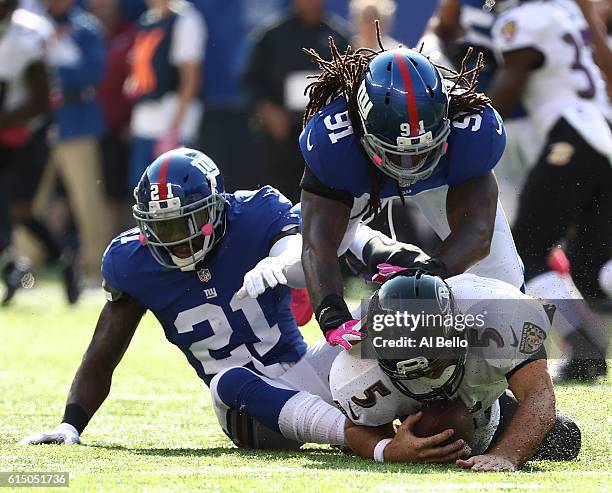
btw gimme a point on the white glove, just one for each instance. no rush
(63, 434)
(267, 273)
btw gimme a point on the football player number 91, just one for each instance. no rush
(222, 333)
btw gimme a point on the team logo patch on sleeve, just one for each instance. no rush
(508, 30)
(532, 338)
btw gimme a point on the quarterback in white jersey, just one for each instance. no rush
(505, 350)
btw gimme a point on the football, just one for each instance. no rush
(442, 415)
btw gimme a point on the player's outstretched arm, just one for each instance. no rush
(470, 208)
(535, 415)
(402, 446)
(91, 385)
(282, 266)
(324, 224)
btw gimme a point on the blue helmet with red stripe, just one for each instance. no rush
(180, 207)
(403, 106)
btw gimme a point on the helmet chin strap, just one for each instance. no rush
(188, 264)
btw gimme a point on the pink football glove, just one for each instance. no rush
(340, 336)
(386, 272)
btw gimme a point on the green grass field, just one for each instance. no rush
(157, 430)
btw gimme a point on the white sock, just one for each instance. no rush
(308, 418)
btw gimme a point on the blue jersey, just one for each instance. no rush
(334, 154)
(199, 311)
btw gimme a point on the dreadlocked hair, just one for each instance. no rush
(342, 75)
(463, 98)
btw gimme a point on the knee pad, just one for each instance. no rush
(562, 442)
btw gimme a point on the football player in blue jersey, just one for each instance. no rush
(186, 263)
(382, 125)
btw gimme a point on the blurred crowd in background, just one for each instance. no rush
(92, 90)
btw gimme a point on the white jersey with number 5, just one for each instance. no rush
(568, 83)
(514, 327)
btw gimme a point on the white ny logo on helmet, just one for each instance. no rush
(207, 167)
(363, 101)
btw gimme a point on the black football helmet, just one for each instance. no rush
(429, 373)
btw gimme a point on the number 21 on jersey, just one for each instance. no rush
(222, 332)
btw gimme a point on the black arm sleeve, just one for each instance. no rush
(377, 251)
(312, 184)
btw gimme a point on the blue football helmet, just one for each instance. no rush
(180, 208)
(403, 105)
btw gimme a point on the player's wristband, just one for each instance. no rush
(332, 312)
(379, 449)
(76, 416)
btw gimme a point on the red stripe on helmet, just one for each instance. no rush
(163, 173)
(413, 112)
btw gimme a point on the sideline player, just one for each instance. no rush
(548, 65)
(505, 350)
(386, 124)
(24, 118)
